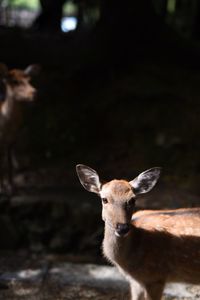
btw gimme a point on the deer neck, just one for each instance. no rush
(10, 106)
(124, 252)
(116, 248)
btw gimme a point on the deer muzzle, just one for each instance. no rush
(122, 229)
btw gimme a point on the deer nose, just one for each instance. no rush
(122, 229)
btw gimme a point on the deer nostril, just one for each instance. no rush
(122, 229)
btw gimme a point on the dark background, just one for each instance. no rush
(120, 93)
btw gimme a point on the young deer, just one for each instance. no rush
(149, 247)
(15, 89)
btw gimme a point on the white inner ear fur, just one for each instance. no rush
(137, 184)
(93, 179)
(146, 180)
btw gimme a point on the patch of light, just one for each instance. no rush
(28, 274)
(174, 289)
(68, 24)
(104, 273)
(55, 270)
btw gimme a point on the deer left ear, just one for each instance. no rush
(32, 70)
(145, 181)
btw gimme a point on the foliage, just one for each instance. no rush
(70, 8)
(171, 6)
(30, 4)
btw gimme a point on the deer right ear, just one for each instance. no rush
(32, 70)
(88, 178)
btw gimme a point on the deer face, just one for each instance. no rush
(118, 196)
(17, 82)
(118, 201)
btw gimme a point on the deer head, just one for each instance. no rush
(17, 84)
(118, 196)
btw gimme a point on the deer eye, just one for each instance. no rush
(15, 81)
(104, 200)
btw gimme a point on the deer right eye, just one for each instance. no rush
(104, 200)
(15, 82)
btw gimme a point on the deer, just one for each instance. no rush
(149, 247)
(16, 89)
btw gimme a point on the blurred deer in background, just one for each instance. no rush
(15, 89)
(150, 247)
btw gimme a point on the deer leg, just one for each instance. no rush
(2, 170)
(138, 292)
(10, 168)
(155, 290)
(1, 180)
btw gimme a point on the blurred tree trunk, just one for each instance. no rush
(50, 16)
(80, 15)
(196, 26)
(161, 7)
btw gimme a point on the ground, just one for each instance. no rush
(47, 278)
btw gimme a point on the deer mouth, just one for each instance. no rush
(121, 235)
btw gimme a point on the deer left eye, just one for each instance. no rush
(104, 200)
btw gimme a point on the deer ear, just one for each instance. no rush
(145, 181)
(3, 70)
(88, 178)
(32, 70)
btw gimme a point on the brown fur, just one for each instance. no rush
(149, 247)
(162, 246)
(18, 90)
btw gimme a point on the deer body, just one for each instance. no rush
(157, 246)
(149, 247)
(10, 120)
(17, 91)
